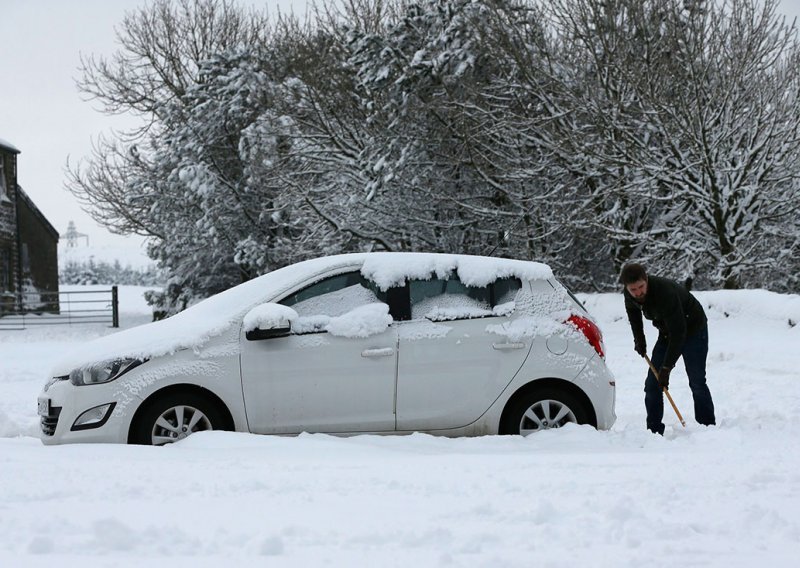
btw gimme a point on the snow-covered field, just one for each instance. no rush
(722, 496)
(129, 251)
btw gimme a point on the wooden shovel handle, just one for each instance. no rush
(666, 392)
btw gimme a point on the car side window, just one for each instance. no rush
(330, 298)
(504, 290)
(440, 299)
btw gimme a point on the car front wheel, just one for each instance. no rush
(543, 410)
(173, 418)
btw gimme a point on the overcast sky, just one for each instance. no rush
(41, 112)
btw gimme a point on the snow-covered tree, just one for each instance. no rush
(90, 271)
(696, 107)
(462, 143)
(584, 133)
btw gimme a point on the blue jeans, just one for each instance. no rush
(694, 352)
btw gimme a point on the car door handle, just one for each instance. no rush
(506, 346)
(382, 352)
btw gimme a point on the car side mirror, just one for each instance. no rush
(259, 334)
(267, 321)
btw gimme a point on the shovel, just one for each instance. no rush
(666, 392)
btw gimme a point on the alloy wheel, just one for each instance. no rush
(178, 422)
(544, 415)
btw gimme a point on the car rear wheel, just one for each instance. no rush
(541, 410)
(174, 417)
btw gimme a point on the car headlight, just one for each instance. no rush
(103, 372)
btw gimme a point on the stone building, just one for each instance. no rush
(28, 245)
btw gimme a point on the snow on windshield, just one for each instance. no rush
(195, 326)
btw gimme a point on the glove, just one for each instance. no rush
(663, 377)
(640, 346)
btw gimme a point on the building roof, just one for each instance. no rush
(29, 202)
(8, 146)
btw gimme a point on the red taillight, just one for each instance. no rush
(591, 331)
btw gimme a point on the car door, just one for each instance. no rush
(450, 369)
(316, 380)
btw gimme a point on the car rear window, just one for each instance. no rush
(450, 299)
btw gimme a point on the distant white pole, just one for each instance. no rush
(72, 235)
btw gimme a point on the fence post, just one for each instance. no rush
(114, 307)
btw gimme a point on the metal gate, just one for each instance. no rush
(62, 308)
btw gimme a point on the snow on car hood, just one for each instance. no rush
(194, 327)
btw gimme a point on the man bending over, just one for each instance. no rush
(682, 331)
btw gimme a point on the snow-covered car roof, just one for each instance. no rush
(194, 327)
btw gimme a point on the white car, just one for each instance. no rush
(360, 343)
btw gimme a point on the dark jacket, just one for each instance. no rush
(672, 309)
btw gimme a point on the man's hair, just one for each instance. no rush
(632, 273)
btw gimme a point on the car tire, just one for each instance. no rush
(173, 417)
(542, 409)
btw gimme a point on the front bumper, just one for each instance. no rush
(66, 402)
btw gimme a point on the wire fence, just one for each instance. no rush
(61, 308)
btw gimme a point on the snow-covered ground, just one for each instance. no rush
(722, 496)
